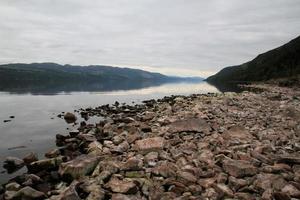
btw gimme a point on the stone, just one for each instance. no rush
(150, 144)
(288, 159)
(291, 190)
(52, 153)
(189, 125)
(45, 164)
(235, 183)
(132, 164)
(239, 168)
(69, 193)
(29, 158)
(224, 189)
(70, 117)
(125, 186)
(27, 193)
(281, 196)
(12, 164)
(79, 167)
(186, 177)
(238, 133)
(266, 181)
(12, 186)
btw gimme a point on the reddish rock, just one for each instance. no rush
(150, 144)
(189, 125)
(239, 168)
(122, 186)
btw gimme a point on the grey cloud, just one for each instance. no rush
(171, 36)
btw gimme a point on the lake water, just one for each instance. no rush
(35, 121)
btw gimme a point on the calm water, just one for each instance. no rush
(35, 124)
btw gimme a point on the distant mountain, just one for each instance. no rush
(51, 77)
(282, 62)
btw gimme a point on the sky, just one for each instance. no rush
(174, 37)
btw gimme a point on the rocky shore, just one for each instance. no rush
(211, 146)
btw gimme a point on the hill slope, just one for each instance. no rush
(53, 78)
(282, 62)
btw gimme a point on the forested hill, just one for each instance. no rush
(282, 62)
(52, 72)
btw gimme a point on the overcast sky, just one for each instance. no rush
(176, 37)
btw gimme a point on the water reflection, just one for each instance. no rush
(35, 121)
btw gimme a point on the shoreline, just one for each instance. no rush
(199, 146)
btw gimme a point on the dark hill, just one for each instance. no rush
(52, 77)
(282, 62)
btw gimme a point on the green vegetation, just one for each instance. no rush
(282, 62)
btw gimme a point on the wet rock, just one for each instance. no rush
(239, 168)
(70, 117)
(125, 186)
(52, 153)
(12, 164)
(45, 164)
(189, 125)
(79, 167)
(29, 158)
(150, 144)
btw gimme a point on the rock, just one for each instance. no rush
(80, 166)
(281, 196)
(189, 125)
(121, 148)
(26, 193)
(52, 153)
(45, 164)
(165, 169)
(69, 193)
(239, 168)
(125, 186)
(235, 183)
(12, 186)
(12, 164)
(291, 190)
(238, 133)
(150, 144)
(29, 158)
(288, 159)
(132, 164)
(186, 177)
(70, 117)
(269, 181)
(224, 189)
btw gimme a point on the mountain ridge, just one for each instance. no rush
(281, 62)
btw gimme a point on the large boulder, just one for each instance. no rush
(80, 166)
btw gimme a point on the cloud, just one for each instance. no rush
(172, 36)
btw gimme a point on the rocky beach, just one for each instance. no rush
(208, 146)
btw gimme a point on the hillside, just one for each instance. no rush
(282, 62)
(51, 77)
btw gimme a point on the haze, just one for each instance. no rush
(174, 37)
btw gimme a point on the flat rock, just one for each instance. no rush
(80, 166)
(150, 144)
(239, 168)
(238, 133)
(189, 125)
(122, 186)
